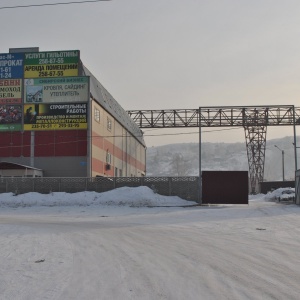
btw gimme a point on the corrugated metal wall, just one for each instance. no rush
(58, 153)
(47, 143)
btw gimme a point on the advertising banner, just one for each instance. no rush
(11, 91)
(51, 64)
(11, 65)
(10, 117)
(59, 90)
(55, 116)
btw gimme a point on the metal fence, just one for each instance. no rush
(297, 187)
(185, 187)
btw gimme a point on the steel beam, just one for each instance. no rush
(277, 115)
(254, 120)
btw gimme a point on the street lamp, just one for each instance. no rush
(282, 151)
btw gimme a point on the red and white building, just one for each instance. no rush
(110, 145)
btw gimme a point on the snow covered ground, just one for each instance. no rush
(133, 244)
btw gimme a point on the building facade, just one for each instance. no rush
(57, 117)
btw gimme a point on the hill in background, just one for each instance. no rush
(183, 159)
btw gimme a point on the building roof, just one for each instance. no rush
(107, 101)
(5, 165)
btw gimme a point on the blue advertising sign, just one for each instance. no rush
(11, 65)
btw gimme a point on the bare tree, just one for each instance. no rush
(179, 166)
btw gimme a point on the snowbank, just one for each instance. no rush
(279, 193)
(125, 196)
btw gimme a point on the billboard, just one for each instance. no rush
(51, 64)
(10, 91)
(10, 117)
(11, 65)
(59, 116)
(60, 90)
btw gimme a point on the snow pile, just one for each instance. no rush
(280, 193)
(125, 196)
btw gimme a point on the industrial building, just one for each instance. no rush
(56, 117)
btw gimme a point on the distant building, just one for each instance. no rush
(71, 126)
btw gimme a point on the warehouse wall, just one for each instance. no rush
(58, 153)
(114, 151)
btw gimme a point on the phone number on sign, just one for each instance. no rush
(54, 126)
(5, 75)
(51, 73)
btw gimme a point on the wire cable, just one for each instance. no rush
(51, 4)
(83, 139)
(194, 132)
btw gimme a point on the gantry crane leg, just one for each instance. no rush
(256, 147)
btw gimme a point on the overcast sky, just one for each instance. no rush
(169, 54)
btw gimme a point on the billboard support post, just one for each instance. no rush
(32, 136)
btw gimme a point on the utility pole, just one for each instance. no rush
(200, 158)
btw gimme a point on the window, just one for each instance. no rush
(108, 124)
(120, 173)
(116, 172)
(97, 115)
(108, 157)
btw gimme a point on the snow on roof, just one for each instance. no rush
(5, 165)
(107, 101)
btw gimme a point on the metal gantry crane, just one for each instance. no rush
(254, 120)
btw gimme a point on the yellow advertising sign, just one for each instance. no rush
(51, 71)
(63, 116)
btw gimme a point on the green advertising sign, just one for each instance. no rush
(51, 90)
(51, 64)
(53, 57)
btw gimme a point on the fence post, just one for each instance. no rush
(170, 186)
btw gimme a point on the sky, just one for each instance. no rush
(113, 246)
(173, 54)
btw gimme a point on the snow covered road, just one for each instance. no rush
(219, 252)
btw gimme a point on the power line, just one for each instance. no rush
(194, 132)
(51, 4)
(83, 139)
(143, 135)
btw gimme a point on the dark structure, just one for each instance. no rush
(225, 187)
